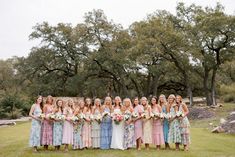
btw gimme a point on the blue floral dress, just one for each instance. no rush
(106, 131)
(77, 141)
(129, 135)
(35, 133)
(184, 129)
(57, 132)
(174, 131)
(165, 125)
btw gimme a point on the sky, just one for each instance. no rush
(17, 17)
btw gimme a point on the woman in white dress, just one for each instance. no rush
(117, 141)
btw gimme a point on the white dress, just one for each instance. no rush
(117, 141)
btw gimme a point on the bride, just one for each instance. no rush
(118, 129)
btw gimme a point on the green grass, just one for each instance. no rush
(14, 142)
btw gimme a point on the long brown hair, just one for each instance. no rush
(57, 106)
(154, 97)
(41, 104)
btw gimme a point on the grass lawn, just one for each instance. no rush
(14, 142)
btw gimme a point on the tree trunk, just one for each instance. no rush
(213, 93)
(206, 90)
(154, 85)
(190, 95)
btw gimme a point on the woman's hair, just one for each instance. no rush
(154, 97)
(127, 100)
(120, 101)
(57, 106)
(106, 99)
(97, 100)
(68, 102)
(49, 97)
(164, 98)
(143, 99)
(171, 96)
(133, 100)
(41, 104)
(89, 106)
(179, 97)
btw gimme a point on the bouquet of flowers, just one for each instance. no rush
(60, 117)
(74, 119)
(127, 115)
(98, 118)
(51, 116)
(158, 115)
(118, 117)
(144, 115)
(105, 113)
(134, 115)
(179, 114)
(42, 116)
(167, 115)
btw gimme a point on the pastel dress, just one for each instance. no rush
(35, 133)
(47, 129)
(158, 136)
(95, 131)
(174, 135)
(57, 131)
(147, 127)
(138, 124)
(184, 129)
(165, 125)
(77, 140)
(68, 128)
(129, 135)
(106, 131)
(118, 133)
(86, 132)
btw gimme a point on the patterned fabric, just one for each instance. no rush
(47, 129)
(139, 123)
(77, 141)
(147, 127)
(57, 132)
(129, 135)
(174, 131)
(158, 137)
(35, 133)
(95, 131)
(165, 125)
(106, 131)
(86, 133)
(184, 129)
(68, 128)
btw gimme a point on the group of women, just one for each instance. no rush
(106, 133)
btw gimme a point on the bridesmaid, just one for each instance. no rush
(158, 137)
(35, 133)
(184, 123)
(147, 123)
(118, 129)
(58, 125)
(77, 128)
(86, 129)
(129, 132)
(68, 124)
(106, 125)
(138, 123)
(165, 109)
(47, 129)
(174, 131)
(95, 125)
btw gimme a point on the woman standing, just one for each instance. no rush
(106, 124)
(158, 138)
(95, 125)
(118, 129)
(86, 129)
(129, 132)
(47, 129)
(165, 110)
(138, 123)
(58, 125)
(77, 128)
(184, 123)
(147, 123)
(174, 131)
(35, 133)
(68, 125)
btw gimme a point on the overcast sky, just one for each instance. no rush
(17, 17)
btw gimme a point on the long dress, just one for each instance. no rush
(165, 125)
(106, 131)
(147, 127)
(86, 132)
(35, 133)
(47, 129)
(184, 129)
(68, 128)
(138, 124)
(129, 135)
(95, 131)
(57, 132)
(118, 133)
(77, 140)
(158, 137)
(174, 135)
